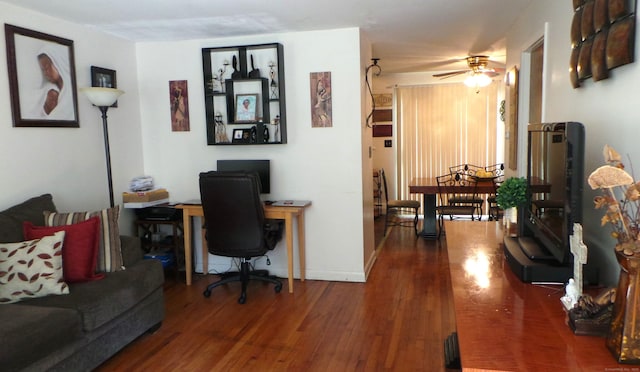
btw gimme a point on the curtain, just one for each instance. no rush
(443, 125)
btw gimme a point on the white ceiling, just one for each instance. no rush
(407, 35)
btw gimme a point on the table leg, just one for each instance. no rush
(188, 263)
(205, 251)
(301, 247)
(429, 222)
(288, 225)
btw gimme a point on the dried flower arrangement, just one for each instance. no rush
(621, 199)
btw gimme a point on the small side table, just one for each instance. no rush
(148, 228)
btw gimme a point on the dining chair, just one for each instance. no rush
(395, 207)
(497, 174)
(463, 172)
(451, 187)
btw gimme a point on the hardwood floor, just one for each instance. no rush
(398, 320)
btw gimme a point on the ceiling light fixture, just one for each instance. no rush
(477, 80)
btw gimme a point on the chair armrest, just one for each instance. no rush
(131, 250)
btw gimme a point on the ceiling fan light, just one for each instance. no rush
(477, 80)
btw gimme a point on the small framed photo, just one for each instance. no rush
(246, 105)
(42, 82)
(241, 136)
(105, 78)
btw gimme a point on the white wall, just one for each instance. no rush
(320, 164)
(69, 163)
(606, 108)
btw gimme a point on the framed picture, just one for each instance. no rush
(103, 77)
(321, 104)
(42, 79)
(246, 105)
(179, 102)
(241, 136)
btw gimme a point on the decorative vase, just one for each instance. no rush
(510, 221)
(624, 334)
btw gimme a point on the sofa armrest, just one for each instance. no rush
(131, 250)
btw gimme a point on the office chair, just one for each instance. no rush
(236, 226)
(397, 206)
(451, 187)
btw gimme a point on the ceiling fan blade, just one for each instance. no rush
(445, 75)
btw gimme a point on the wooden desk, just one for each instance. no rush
(287, 213)
(505, 324)
(428, 187)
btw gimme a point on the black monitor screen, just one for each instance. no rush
(259, 166)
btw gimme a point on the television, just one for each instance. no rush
(262, 167)
(555, 180)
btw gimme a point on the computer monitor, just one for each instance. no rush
(262, 167)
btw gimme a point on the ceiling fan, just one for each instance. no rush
(477, 65)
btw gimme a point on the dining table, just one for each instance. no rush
(428, 187)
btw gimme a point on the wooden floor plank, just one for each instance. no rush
(398, 320)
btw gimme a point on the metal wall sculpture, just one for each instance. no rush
(602, 38)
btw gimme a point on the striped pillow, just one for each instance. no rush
(109, 252)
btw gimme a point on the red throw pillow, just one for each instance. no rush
(79, 248)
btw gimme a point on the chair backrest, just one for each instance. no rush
(384, 183)
(233, 213)
(455, 186)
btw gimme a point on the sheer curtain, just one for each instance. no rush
(443, 125)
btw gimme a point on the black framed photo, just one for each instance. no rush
(241, 136)
(105, 78)
(246, 105)
(42, 79)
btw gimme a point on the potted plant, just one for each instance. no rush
(511, 194)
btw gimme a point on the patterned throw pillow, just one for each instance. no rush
(109, 252)
(32, 269)
(80, 248)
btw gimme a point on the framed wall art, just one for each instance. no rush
(179, 101)
(105, 78)
(321, 106)
(42, 79)
(246, 108)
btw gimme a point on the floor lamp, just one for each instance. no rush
(103, 98)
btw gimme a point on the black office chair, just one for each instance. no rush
(235, 224)
(396, 206)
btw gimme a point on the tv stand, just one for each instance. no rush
(528, 270)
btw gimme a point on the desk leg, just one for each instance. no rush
(288, 225)
(301, 247)
(429, 223)
(205, 252)
(188, 257)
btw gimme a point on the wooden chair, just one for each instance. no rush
(397, 206)
(451, 187)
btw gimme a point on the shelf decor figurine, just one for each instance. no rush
(221, 72)
(274, 83)
(621, 200)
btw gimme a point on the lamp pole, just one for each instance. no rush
(103, 110)
(102, 98)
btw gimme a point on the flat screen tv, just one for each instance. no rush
(262, 167)
(555, 178)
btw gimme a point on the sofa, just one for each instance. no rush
(78, 330)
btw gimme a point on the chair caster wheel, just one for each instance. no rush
(206, 293)
(242, 299)
(278, 288)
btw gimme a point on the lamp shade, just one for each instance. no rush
(102, 96)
